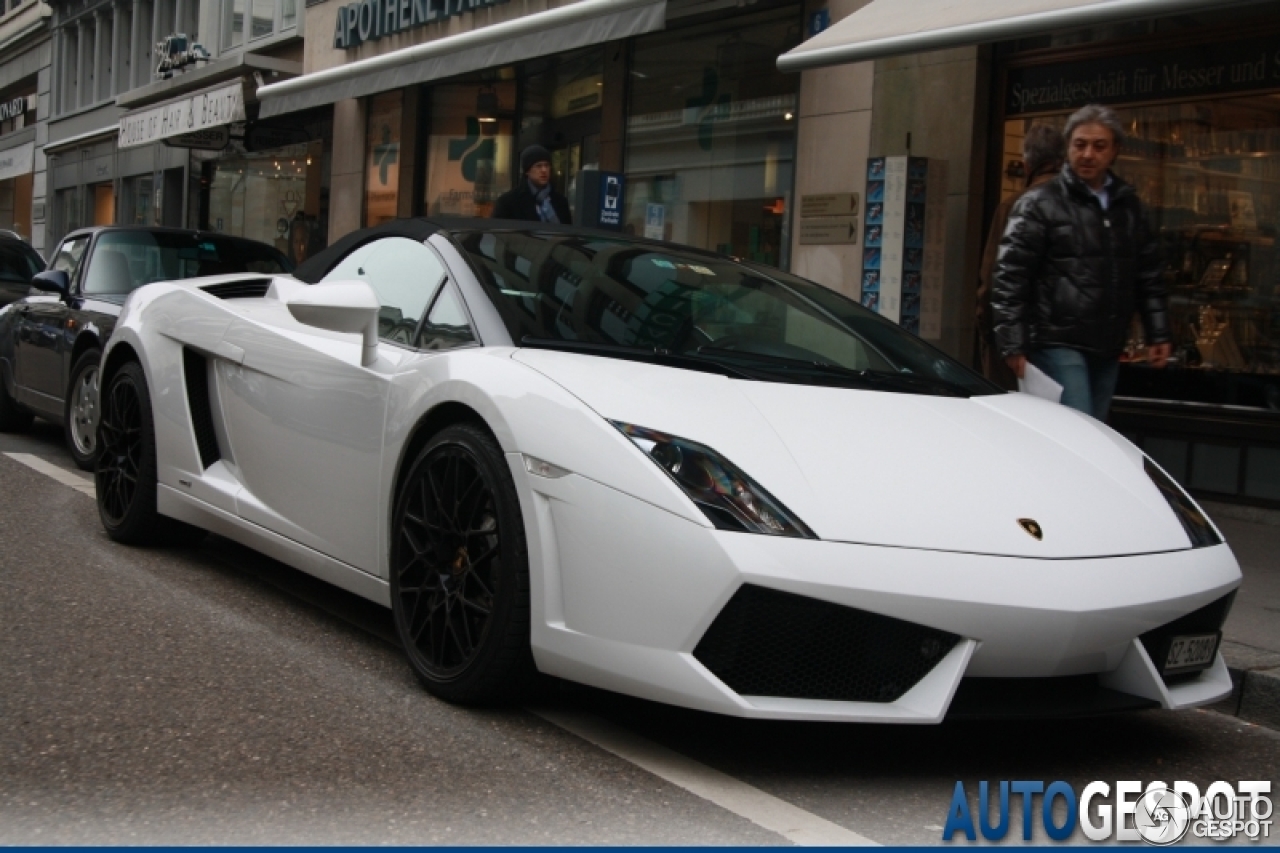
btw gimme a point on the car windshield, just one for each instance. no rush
(18, 263)
(125, 260)
(639, 300)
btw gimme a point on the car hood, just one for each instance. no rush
(900, 470)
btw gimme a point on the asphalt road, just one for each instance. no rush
(210, 695)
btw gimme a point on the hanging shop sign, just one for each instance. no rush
(212, 139)
(202, 111)
(1211, 68)
(17, 161)
(370, 20)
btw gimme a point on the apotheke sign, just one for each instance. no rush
(372, 19)
(202, 111)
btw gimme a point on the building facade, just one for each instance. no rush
(154, 118)
(25, 75)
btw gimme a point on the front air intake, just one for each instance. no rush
(771, 643)
(196, 370)
(1205, 622)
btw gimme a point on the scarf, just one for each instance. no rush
(542, 200)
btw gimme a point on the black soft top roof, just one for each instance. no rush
(318, 265)
(420, 228)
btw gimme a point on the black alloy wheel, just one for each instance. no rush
(460, 571)
(125, 474)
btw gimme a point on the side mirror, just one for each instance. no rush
(340, 306)
(52, 281)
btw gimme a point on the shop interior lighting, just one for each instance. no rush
(487, 104)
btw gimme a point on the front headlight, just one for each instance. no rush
(1199, 530)
(726, 496)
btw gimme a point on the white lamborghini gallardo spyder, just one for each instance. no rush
(662, 472)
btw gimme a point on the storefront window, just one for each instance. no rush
(561, 101)
(137, 197)
(70, 209)
(15, 204)
(1209, 174)
(104, 204)
(272, 186)
(711, 136)
(469, 153)
(382, 158)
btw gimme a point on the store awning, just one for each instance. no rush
(574, 25)
(892, 27)
(204, 110)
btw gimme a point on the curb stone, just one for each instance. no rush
(1255, 681)
(1260, 697)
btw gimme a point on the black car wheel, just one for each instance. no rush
(13, 418)
(125, 474)
(460, 571)
(80, 421)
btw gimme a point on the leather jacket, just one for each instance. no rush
(1070, 274)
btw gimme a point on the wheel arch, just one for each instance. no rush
(87, 340)
(436, 418)
(119, 355)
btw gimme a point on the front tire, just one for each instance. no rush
(125, 474)
(460, 571)
(80, 420)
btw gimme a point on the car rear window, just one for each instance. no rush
(125, 260)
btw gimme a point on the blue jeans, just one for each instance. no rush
(1087, 381)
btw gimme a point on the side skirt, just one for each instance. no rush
(175, 504)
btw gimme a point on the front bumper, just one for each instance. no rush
(624, 592)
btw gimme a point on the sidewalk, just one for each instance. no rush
(1251, 637)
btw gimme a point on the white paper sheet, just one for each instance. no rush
(1037, 383)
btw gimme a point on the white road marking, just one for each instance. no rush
(83, 485)
(791, 822)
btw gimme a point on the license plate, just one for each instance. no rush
(1191, 652)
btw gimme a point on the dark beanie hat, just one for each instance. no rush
(531, 155)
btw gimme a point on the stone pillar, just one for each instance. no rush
(180, 19)
(99, 56)
(937, 101)
(137, 51)
(832, 140)
(346, 188)
(157, 27)
(83, 96)
(119, 50)
(62, 71)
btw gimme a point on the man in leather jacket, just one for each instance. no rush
(1076, 262)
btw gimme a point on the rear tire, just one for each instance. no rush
(80, 419)
(125, 475)
(13, 418)
(460, 571)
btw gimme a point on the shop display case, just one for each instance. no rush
(1209, 175)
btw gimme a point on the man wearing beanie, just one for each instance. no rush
(533, 198)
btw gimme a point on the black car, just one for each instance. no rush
(18, 263)
(51, 341)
